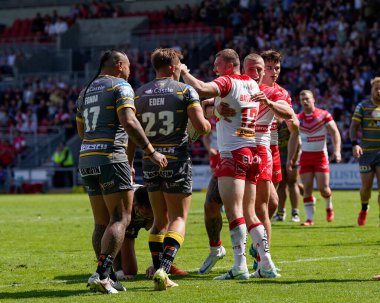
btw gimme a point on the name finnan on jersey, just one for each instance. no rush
(91, 99)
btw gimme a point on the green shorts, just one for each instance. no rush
(368, 161)
(107, 179)
(176, 178)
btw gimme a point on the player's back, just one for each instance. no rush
(105, 139)
(162, 111)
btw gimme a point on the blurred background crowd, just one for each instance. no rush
(331, 47)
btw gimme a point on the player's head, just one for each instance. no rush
(167, 62)
(115, 63)
(254, 66)
(227, 62)
(375, 89)
(307, 100)
(272, 61)
(141, 204)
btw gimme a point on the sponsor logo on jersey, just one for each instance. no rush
(245, 133)
(98, 146)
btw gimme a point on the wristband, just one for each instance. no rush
(149, 155)
(354, 143)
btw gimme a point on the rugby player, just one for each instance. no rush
(315, 123)
(367, 118)
(105, 120)
(163, 108)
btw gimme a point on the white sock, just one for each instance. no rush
(309, 209)
(328, 202)
(238, 237)
(260, 241)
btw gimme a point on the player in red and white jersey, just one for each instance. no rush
(315, 124)
(239, 165)
(272, 103)
(272, 61)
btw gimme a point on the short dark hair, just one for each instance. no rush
(252, 57)
(229, 55)
(141, 197)
(165, 57)
(271, 55)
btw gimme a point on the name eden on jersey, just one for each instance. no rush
(156, 101)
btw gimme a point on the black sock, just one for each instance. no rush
(104, 266)
(156, 249)
(171, 247)
(364, 206)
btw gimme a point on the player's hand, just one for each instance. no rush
(159, 159)
(357, 151)
(336, 156)
(212, 152)
(150, 271)
(260, 97)
(225, 111)
(184, 69)
(289, 165)
(208, 107)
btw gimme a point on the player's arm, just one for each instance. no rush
(131, 149)
(199, 122)
(135, 131)
(293, 147)
(80, 128)
(280, 108)
(206, 142)
(357, 151)
(332, 128)
(129, 259)
(204, 89)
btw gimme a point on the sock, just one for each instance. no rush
(113, 275)
(309, 204)
(260, 241)
(281, 212)
(238, 235)
(328, 202)
(156, 247)
(104, 266)
(215, 246)
(295, 211)
(365, 205)
(172, 243)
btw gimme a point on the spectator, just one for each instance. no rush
(63, 158)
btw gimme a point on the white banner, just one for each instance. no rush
(342, 176)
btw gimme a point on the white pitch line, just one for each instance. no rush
(190, 270)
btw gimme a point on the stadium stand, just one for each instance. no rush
(332, 47)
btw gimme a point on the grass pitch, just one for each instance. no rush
(47, 256)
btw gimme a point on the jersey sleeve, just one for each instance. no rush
(224, 84)
(358, 113)
(191, 96)
(124, 95)
(328, 118)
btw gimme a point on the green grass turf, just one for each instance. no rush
(46, 256)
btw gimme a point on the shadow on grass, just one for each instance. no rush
(310, 281)
(42, 294)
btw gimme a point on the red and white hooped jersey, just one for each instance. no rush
(274, 127)
(313, 130)
(236, 90)
(265, 117)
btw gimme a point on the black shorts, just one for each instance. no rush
(107, 179)
(368, 161)
(175, 178)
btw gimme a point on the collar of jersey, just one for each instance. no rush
(162, 78)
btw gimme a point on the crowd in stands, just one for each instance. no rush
(331, 47)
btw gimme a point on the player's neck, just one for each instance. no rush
(375, 102)
(268, 83)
